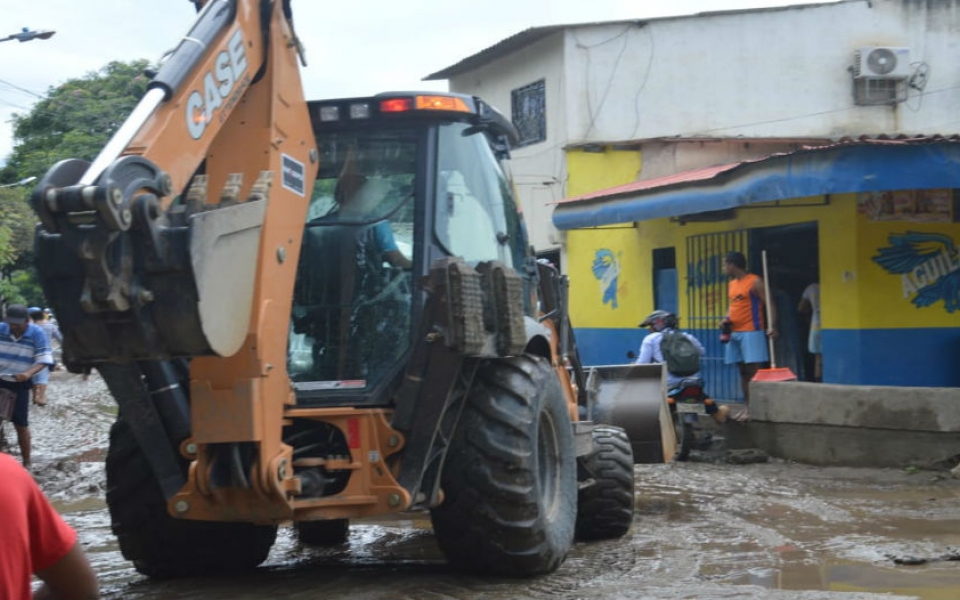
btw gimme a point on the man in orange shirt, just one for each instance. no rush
(747, 347)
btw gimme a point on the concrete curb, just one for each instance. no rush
(860, 426)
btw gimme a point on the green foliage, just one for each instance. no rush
(11, 293)
(18, 280)
(17, 223)
(6, 250)
(26, 284)
(75, 120)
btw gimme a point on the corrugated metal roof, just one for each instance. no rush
(529, 36)
(658, 182)
(852, 166)
(686, 178)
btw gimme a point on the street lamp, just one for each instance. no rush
(26, 35)
(23, 181)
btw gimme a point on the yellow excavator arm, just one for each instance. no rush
(181, 239)
(226, 115)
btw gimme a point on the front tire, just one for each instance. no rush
(605, 503)
(509, 479)
(160, 545)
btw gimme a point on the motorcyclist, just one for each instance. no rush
(660, 322)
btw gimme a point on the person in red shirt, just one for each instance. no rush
(34, 540)
(747, 347)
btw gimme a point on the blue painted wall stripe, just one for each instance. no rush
(850, 356)
(922, 357)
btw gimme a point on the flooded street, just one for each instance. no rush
(706, 530)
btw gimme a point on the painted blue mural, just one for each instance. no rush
(606, 270)
(928, 265)
(706, 271)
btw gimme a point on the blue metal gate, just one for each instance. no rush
(707, 305)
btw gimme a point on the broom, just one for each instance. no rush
(773, 373)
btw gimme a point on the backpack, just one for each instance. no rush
(680, 353)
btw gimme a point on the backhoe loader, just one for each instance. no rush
(312, 312)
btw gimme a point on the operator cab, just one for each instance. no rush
(403, 179)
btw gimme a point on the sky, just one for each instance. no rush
(352, 48)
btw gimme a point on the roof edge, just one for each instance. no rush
(532, 35)
(866, 165)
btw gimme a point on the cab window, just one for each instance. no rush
(470, 199)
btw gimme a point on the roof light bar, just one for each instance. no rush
(448, 103)
(396, 105)
(440, 103)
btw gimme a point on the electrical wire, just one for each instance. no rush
(801, 116)
(13, 104)
(613, 71)
(20, 89)
(643, 84)
(917, 81)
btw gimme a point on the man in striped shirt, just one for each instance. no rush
(24, 352)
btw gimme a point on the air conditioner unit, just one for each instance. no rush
(879, 62)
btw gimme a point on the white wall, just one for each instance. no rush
(769, 73)
(539, 169)
(662, 158)
(774, 73)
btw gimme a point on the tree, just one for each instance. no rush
(17, 224)
(75, 120)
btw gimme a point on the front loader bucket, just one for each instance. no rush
(633, 398)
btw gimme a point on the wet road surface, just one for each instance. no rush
(705, 530)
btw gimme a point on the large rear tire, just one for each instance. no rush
(509, 480)
(605, 503)
(160, 545)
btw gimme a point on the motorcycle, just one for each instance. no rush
(688, 400)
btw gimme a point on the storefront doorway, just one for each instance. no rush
(793, 260)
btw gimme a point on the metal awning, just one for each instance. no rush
(861, 166)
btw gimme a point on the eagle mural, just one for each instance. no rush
(928, 265)
(606, 269)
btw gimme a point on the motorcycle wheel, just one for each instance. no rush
(685, 436)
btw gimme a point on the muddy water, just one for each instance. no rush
(706, 530)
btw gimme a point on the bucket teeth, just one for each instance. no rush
(231, 189)
(261, 187)
(197, 194)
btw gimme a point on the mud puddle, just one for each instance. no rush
(705, 530)
(793, 527)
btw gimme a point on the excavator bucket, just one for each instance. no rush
(633, 397)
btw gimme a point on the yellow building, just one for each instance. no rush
(875, 223)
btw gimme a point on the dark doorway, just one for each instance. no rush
(553, 256)
(793, 260)
(665, 280)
